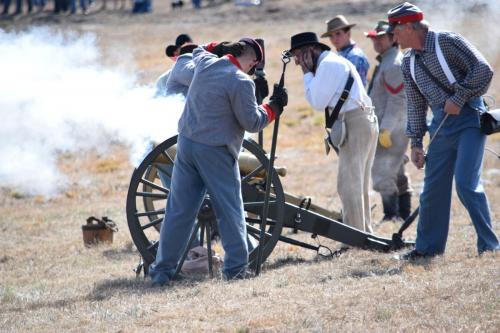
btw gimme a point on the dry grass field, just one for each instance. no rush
(50, 282)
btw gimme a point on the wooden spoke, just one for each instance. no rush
(161, 168)
(152, 195)
(152, 223)
(155, 186)
(151, 212)
(253, 173)
(165, 153)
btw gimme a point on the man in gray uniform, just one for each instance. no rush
(172, 52)
(220, 107)
(182, 72)
(386, 90)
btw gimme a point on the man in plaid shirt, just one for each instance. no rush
(458, 146)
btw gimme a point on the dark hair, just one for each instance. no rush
(346, 30)
(187, 48)
(255, 47)
(247, 49)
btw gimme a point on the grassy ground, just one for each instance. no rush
(50, 282)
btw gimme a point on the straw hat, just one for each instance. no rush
(337, 23)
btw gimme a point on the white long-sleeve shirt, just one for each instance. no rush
(323, 88)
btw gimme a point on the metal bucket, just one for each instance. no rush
(98, 231)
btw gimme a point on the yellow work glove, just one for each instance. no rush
(385, 139)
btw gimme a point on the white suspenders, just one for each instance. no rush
(441, 59)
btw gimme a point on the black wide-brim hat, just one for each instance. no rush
(179, 41)
(304, 39)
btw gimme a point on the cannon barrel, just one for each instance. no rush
(246, 161)
(299, 200)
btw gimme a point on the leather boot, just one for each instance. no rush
(391, 206)
(405, 205)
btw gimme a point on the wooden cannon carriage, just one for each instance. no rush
(149, 189)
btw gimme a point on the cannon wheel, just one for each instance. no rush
(147, 195)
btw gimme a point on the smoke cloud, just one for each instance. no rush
(475, 19)
(55, 97)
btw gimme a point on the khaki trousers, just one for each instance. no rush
(355, 162)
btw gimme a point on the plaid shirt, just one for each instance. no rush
(358, 58)
(470, 68)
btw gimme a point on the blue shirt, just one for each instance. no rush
(358, 58)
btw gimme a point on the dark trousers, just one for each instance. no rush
(19, 6)
(61, 6)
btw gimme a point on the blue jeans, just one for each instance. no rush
(456, 154)
(142, 6)
(199, 169)
(19, 6)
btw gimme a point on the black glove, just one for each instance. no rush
(224, 48)
(261, 87)
(279, 99)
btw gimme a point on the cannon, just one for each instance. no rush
(268, 209)
(149, 189)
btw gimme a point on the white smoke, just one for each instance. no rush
(475, 19)
(55, 97)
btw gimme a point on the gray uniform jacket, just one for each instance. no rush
(388, 94)
(161, 84)
(221, 104)
(389, 98)
(181, 75)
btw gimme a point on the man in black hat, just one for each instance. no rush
(220, 107)
(181, 74)
(181, 40)
(386, 90)
(332, 84)
(444, 71)
(172, 52)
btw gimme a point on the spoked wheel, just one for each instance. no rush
(153, 205)
(150, 186)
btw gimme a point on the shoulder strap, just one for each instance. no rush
(330, 118)
(442, 60)
(433, 78)
(412, 66)
(370, 86)
(442, 63)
